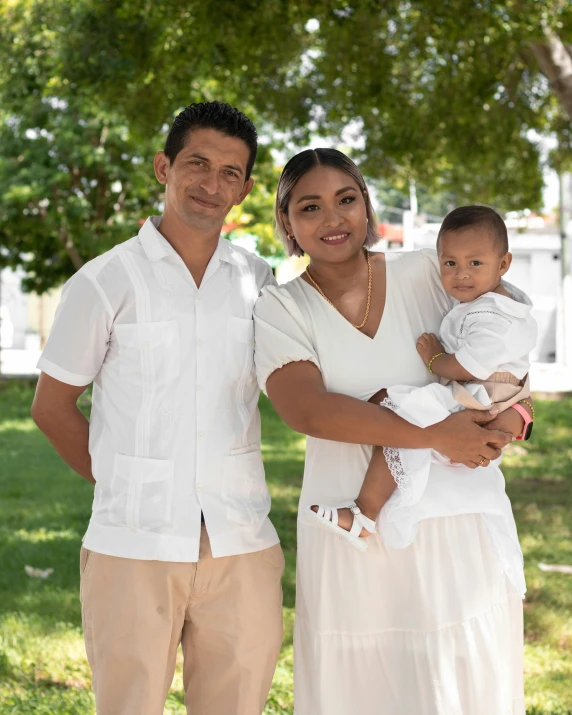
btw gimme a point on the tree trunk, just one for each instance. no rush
(71, 250)
(556, 63)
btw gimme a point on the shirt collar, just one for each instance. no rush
(519, 304)
(157, 247)
(154, 243)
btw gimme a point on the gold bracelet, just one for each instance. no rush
(431, 361)
(526, 402)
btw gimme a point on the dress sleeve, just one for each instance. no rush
(433, 278)
(281, 334)
(79, 337)
(494, 341)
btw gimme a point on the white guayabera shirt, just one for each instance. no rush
(175, 428)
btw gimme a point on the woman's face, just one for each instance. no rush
(327, 215)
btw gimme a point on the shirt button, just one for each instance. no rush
(199, 343)
(199, 486)
(200, 435)
(133, 530)
(197, 297)
(200, 388)
(145, 346)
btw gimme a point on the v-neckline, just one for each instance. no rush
(372, 338)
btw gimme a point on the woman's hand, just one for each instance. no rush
(428, 345)
(461, 438)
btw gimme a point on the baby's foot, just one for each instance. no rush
(346, 519)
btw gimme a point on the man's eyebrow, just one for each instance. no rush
(194, 155)
(317, 196)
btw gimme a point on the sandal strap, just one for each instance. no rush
(328, 514)
(364, 521)
(360, 520)
(356, 527)
(367, 523)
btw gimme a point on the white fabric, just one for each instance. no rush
(433, 629)
(174, 427)
(493, 333)
(428, 486)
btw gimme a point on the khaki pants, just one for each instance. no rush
(226, 612)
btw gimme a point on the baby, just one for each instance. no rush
(482, 362)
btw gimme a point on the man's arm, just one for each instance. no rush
(299, 395)
(55, 412)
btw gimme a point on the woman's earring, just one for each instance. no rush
(290, 237)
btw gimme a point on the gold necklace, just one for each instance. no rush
(369, 283)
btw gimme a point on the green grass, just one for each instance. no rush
(44, 509)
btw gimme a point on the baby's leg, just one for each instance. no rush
(378, 485)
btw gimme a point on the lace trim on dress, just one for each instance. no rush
(393, 459)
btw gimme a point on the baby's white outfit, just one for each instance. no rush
(491, 338)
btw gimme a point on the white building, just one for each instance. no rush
(25, 322)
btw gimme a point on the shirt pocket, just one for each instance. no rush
(142, 493)
(148, 351)
(244, 491)
(239, 347)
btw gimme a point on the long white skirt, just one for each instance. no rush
(432, 629)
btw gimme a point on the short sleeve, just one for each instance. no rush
(281, 334)
(433, 278)
(264, 275)
(79, 337)
(495, 341)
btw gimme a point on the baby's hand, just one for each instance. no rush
(429, 345)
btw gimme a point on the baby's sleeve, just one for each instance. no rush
(281, 334)
(494, 339)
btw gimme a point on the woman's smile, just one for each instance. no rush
(335, 239)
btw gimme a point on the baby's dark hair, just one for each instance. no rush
(465, 216)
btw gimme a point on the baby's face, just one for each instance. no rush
(470, 263)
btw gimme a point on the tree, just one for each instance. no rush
(451, 93)
(74, 180)
(256, 215)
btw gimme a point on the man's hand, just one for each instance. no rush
(428, 345)
(461, 438)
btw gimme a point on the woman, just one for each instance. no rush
(434, 629)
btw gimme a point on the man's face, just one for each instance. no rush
(206, 179)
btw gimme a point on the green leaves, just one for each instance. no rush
(447, 93)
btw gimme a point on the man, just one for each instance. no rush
(179, 547)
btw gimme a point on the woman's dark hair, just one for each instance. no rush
(212, 115)
(465, 216)
(300, 165)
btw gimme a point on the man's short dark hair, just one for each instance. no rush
(212, 115)
(465, 216)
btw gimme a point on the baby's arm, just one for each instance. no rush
(428, 345)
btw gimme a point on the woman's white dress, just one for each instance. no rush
(432, 629)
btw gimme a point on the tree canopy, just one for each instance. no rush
(451, 93)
